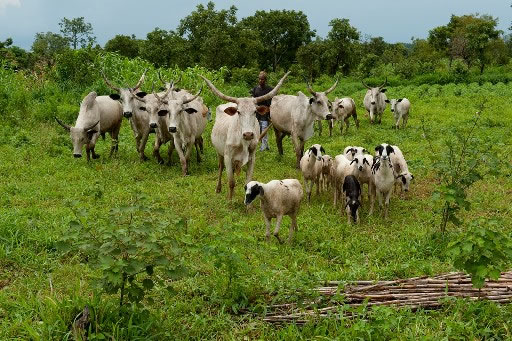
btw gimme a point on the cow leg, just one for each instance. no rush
(142, 146)
(221, 168)
(404, 122)
(172, 145)
(182, 156)
(231, 177)
(279, 140)
(156, 151)
(197, 144)
(319, 128)
(250, 166)
(356, 121)
(88, 153)
(347, 124)
(331, 125)
(114, 135)
(278, 226)
(200, 139)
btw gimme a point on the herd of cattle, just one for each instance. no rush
(180, 118)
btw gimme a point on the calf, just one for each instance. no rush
(400, 109)
(98, 115)
(278, 198)
(352, 191)
(402, 174)
(342, 167)
(343, 109)
(325, 176)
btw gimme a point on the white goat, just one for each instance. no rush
(311, 168)
(402, 174)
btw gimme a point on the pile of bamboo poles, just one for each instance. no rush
(417, 292)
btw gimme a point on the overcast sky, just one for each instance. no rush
(395, 20)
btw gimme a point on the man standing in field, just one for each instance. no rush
(264, 120)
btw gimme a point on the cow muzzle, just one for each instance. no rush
(373, 102)
(77, 156)
(248, 136)
(172, 130)
(153, 125)
(392, 110)
(127, 114)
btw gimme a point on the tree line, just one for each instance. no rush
(281, 39)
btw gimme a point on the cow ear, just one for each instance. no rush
(162, 88)
(384, 90)
(260, 190)
(311, 100)
(190, 110)
(162, 112)
(399, 100)
(262, 109)
(141, 94)
(231, 111)
(115, 97)
(387, 101)
(322, 150)
(142, 108)
(90, 133)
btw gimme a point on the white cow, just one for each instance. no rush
(375, 101)
(296, 115)
(236, 132)
(98, 115)
(400, 109)
(139, 119)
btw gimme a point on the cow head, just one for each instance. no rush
(383, 151)
(252, 190)
(82, 135)
(320, 105)
(127, 95)
(176, 109)
(246, 108)
(154, 105)
(393, 103)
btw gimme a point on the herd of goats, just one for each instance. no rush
(180, 118)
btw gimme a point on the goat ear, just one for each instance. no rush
(231, 111)
(190, 110)
(260, 190)
(379, 148)
(412, 177)
(399, 100)
(404, 180)
(115, 97)
(313, 150)
(322, 150)
(386, 100)
(389, 149)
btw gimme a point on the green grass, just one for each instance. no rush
(39, 177)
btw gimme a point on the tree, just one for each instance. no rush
(211, 35)
(124, 45)
(165, 48)
(311, 58)
(77, 31)
(342, 39)
(47, 45)
(282, 33)
(439, 39)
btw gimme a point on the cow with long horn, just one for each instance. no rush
(185, 121)
(236, 132)
(139, 119)
(296, 115)
(375, 101)
(98, 115)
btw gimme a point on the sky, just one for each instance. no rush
(395, 20)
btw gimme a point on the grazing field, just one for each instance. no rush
(232, 273)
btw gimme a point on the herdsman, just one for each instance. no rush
(264, 120)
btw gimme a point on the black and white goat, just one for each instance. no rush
(352, 191)
(383, 177)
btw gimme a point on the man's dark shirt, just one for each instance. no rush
(259, 91)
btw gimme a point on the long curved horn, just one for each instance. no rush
(64, 125)
(110, 85)
(366, 86)
(160, 78)
(383, 84)
(160, 99)
(310, 89)
(332, 87)
(141, 80)
(217, 93)
(94, 125)
(194, 97)
(273, 92)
